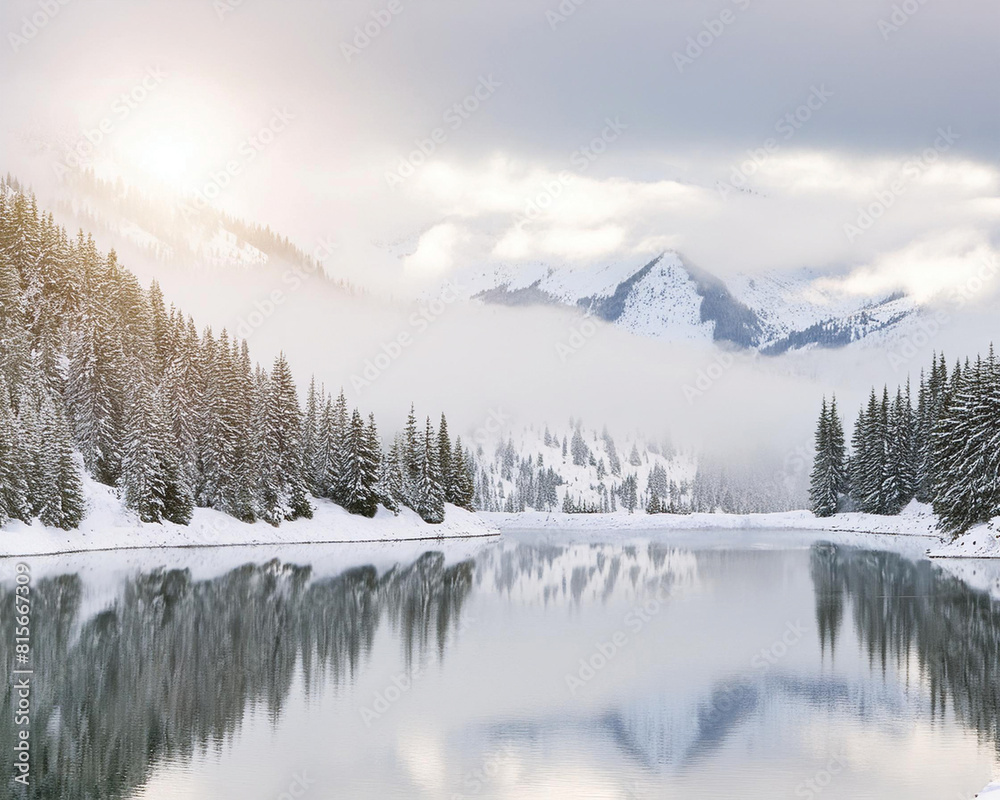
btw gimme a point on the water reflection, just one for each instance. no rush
(175, 663)
(172, 667)
(903, 609)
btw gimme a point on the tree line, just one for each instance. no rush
(944, 450)
(96, 373)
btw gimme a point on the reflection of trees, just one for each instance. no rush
(175, 663)
(902, 609)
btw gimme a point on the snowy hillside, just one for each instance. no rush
(666, 298)
(573, 468)
(175, 231)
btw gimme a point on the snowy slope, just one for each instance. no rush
(587, 483)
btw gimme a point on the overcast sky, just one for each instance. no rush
(678, 92)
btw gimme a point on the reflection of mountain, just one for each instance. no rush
(904, 610)
(549, 573)
(174, 664)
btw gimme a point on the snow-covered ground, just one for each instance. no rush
(917, 520)
(983, 541)
(108, 525)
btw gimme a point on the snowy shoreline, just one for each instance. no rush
(108, 527)
(916, 521)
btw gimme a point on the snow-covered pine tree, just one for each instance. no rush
(97, 366)
(215, 458)
(824, 479)
(411, 459)
(143, 483)
(448, 478)
(390, 483)
(931, 401)
(13, 483)
(967, 462)
(284, 422)
(463, 470)
(429, 500)
(360, 466)
(242, 392)
(860, 490)
(897, 484)
(326, 470)
(838, 451)
(336, 477)
(267, 498)
(61, 503)
(182, 394)
(311, 439)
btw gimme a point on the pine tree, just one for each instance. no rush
(463, 470)
(429, 500)
(444, 460)
(411, 460)
(143, 482)
(283, 419)
(311, 440)
(13, 483)
(390, 484)
(823, 486)
(838, 451)
(336, 478)
(62, 503)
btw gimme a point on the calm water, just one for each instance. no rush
(670, 666)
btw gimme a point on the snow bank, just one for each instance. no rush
(983, 541)
(916, 520)
(108, 525)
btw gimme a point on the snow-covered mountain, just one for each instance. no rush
(667, 298)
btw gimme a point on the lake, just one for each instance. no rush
(664, 665)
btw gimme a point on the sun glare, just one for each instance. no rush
(164, 157)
